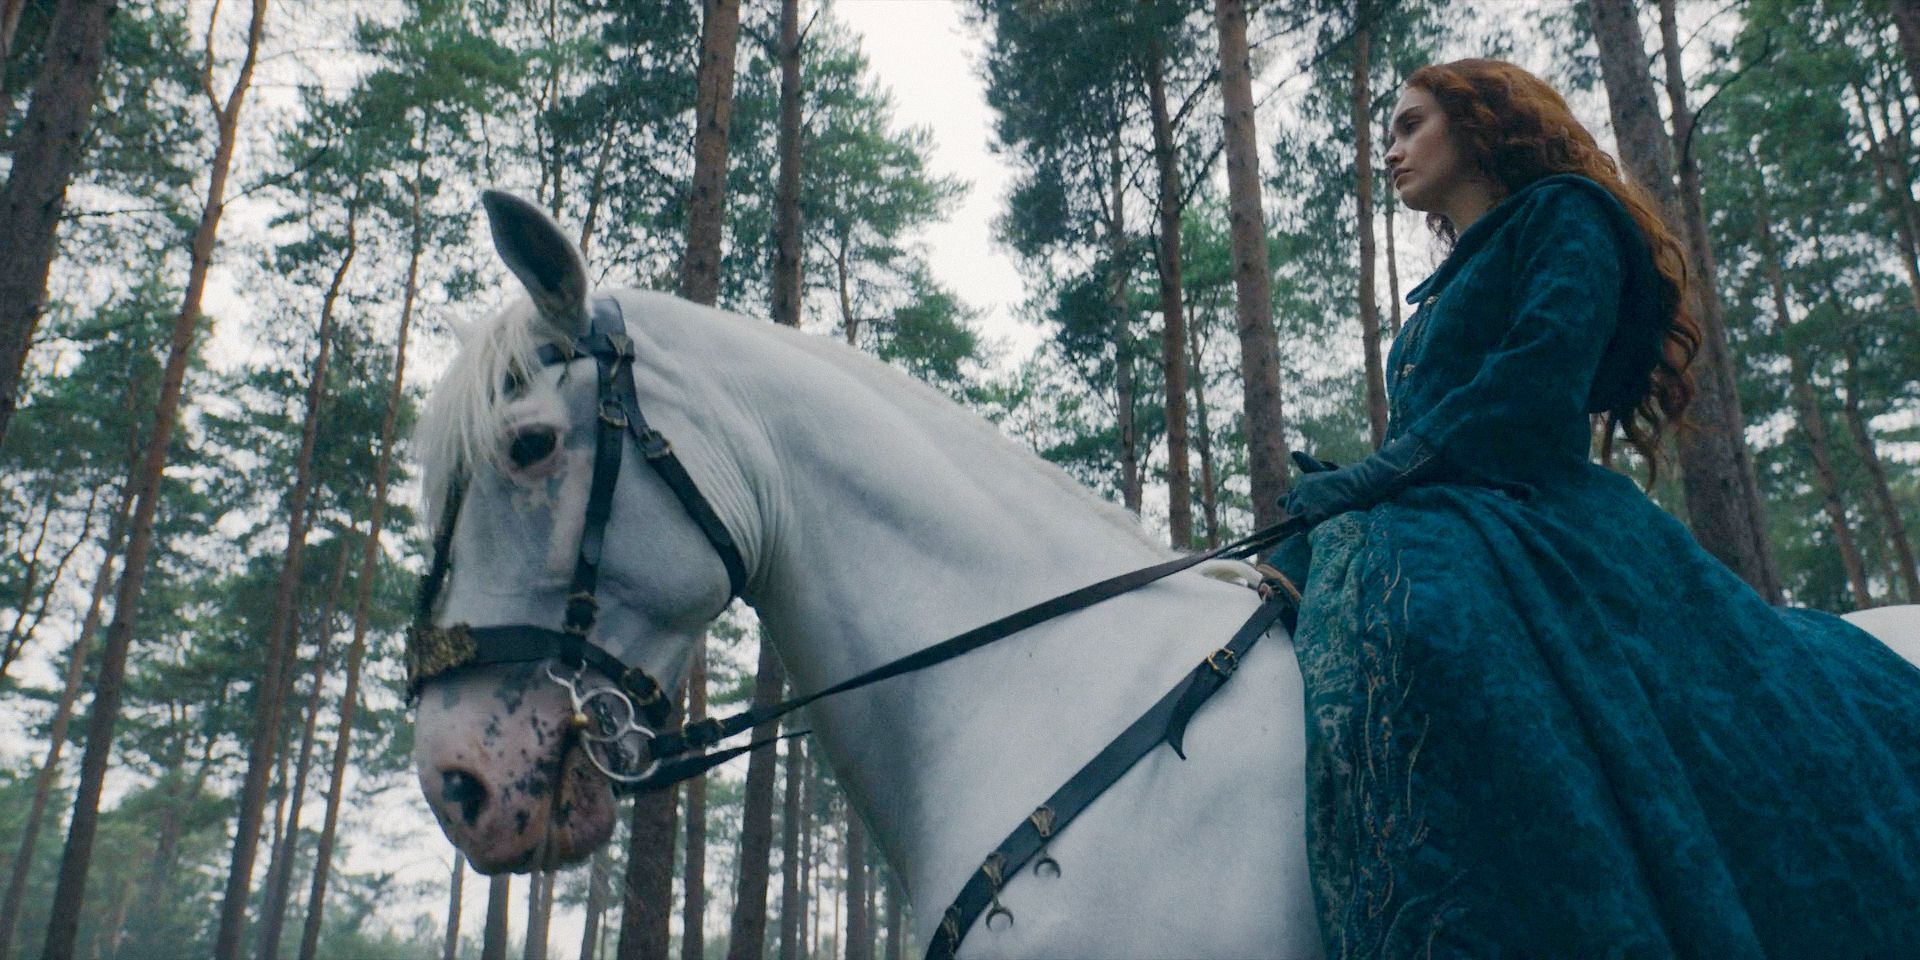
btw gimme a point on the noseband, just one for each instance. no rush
(604, 717)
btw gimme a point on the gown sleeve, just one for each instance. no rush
(1534, 383)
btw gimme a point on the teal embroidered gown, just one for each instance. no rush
(1541, 720)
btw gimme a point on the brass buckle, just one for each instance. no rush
(1224, 662)
(654, 445)
(612, 414)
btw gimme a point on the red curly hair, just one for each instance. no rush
(1515, 129)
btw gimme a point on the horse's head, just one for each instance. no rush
(510, 439)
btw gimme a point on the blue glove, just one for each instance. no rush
(1327, 491)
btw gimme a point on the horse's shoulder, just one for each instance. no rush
(1897, 627)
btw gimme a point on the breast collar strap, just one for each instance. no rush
(433, 651)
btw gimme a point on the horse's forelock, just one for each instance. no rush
(460, 424)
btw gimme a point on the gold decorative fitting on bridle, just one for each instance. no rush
(432, 651)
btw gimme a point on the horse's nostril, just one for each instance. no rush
(465, 789)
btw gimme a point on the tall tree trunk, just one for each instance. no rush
(1203, 439)
(712, 114)
(1126, 425)
(493, 942)
(648, 892)
(1806, 407)
(48, 774)
(786, 207)
(809, 850)
(70, 889)
(369, 563)
(280, 871)
(748, 935)
(1393, 267)
(281, 635)
(792, 900)
(1253, 292)
(10, 11)
(46, 153)
(859, 923)
(179, 790)
(597, 189)
(693, 934)
(1717, 477)
(1362, 101)
(451, 948)
(596, 905)
(1898, 197)
(1864, 446)
(896, 920)
(539, 913)
(1173, 339)
(1906, 21)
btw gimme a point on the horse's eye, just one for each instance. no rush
(532, 447)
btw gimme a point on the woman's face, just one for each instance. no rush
(1426, 166)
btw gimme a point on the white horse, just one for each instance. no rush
(875, 517)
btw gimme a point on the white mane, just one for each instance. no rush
(461, 422)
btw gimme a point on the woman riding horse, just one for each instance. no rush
(1541, 719)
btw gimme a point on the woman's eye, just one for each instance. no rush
(532, 447)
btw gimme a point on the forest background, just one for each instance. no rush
(237, 238)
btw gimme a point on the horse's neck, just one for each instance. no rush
(891, 519)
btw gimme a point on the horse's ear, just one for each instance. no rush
(543, 257)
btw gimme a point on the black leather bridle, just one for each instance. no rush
(434, 651)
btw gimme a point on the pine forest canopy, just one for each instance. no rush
(237, 239)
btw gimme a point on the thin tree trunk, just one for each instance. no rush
(1173, 340)
(281, 635)
(1122, 320)
(35, 596)
(713, 112)
(1717, 477)
(849, 322)
(46, 153)
(1252, 283)
(809, 849)
(596, 905)
(1898, 197)
(1863, 443)
(48, 774)
(786, 205)
(792, 906)
(280, 871)
(1906, 21)
(1375, 371)
(1807, 408)
(539, 913)
(369, 565)
(493, 943)
(693, 934)
(1393, 267)
(896, 920)
(597, 190)
(873, 897)
(451, 948)
(748, 935)
(70, 889)
(10, 11)
(1203, 440)
(648, 898)
(859, 944)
